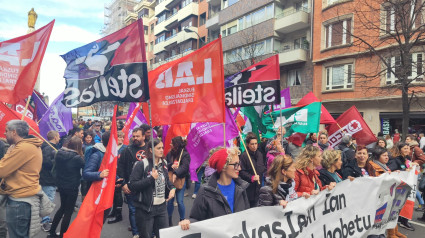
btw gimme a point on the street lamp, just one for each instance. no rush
(187, 30)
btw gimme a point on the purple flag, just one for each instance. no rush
(139, 119)
(57, 118)
(285, 100)
(205, 136)
(40, 105)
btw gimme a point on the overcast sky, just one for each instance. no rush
(78, 22)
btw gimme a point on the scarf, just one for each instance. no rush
(383, 166)
(323, 146)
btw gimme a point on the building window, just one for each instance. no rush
(185, 3)
(152, 27)
(301, 43)
(151, 46)
(294, 77)
(258, 16)
(338, 33)
(160, 38)
(202, 19)
(301, 6)
(414, 73)
(161, 18)
(248, 52)
(393, 14)
(146, 29)
(339, 77)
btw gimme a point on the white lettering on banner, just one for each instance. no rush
(55, 122)
(2, 114)
(249, 96)
(351, 128)
(20, 109)
(365, 206)
(9, 53)
(386, 126)
(184, 75)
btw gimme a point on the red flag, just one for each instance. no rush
(89, 221)
(128, 123)
(20, 107)
(145, 109)
(297, 138)
(173, 131)
(350, 122)
(189, 89)
(20, 61)
(7, 114)
(325, 116)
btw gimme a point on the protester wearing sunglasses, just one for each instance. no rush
(224, 185)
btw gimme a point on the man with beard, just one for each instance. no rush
(148, 132)
(134, 152)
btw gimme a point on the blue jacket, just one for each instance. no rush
(93, 159)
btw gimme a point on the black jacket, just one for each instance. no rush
(46, 177)
(398, 163)
(143, 184)
(183, 168)
(210, 202)
(353, 170)
(268, 198)
(128, 157)
(325, 177)
(68, 166)
(247, 172)
(2, 149)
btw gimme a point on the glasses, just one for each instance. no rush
(236, 165)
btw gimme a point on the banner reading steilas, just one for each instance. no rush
(359, 208)
(20, 61)
(189, 89)
(112, 68)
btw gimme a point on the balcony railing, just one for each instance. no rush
(292, 11)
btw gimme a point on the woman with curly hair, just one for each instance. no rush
(225, 192)
(331, 162)
(307, 177)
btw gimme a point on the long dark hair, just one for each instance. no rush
(76, 144)
(178, 145)
(89, 133)
(149, 152)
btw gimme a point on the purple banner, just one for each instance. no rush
(285, 100)
(40, 105)
(139, 119)
(57, 118)
(205, 136)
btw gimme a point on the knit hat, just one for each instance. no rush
(218, 160)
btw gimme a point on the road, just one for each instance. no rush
(120, 229)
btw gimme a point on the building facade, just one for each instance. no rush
(347, 74)
(255, 30)
(115, 14)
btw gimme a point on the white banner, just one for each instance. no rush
(359, 208)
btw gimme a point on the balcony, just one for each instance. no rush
(184, 36)
(144, 3)
(159, 47)
(169, 22)
(130, 18)
(162, 7)
(159, 27)
(177, 56)
(214, 2)
(291, 56)
(191, 9)
(292, 20)
(212, 22)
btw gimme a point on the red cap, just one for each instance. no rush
(218, 160)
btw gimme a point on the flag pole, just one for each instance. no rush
(38, 134)
(26, 108)
(150, 121)
(249, 157)
(280, 125)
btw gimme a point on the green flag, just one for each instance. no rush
(295, 119)
(254, 114)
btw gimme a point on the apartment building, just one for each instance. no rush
(253, 30)
(145, 9)
(341, 63)
(115, 14)
(179, 29)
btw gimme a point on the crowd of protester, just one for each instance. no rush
(269, 172)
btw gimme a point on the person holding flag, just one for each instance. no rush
(149, 182)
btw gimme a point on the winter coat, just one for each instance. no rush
(326, 178)
(128, 157)
(353, 170)
(327, 148)
(247, 173)
(143, 184)
(286, 191)
(20, 168)
(93, 160)
(417, 154)
(399, 163)
(377, 168)
(183, 168)
(41, 206)
(304, 182)
(68, 166)
(46, 177)
(210, 202)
